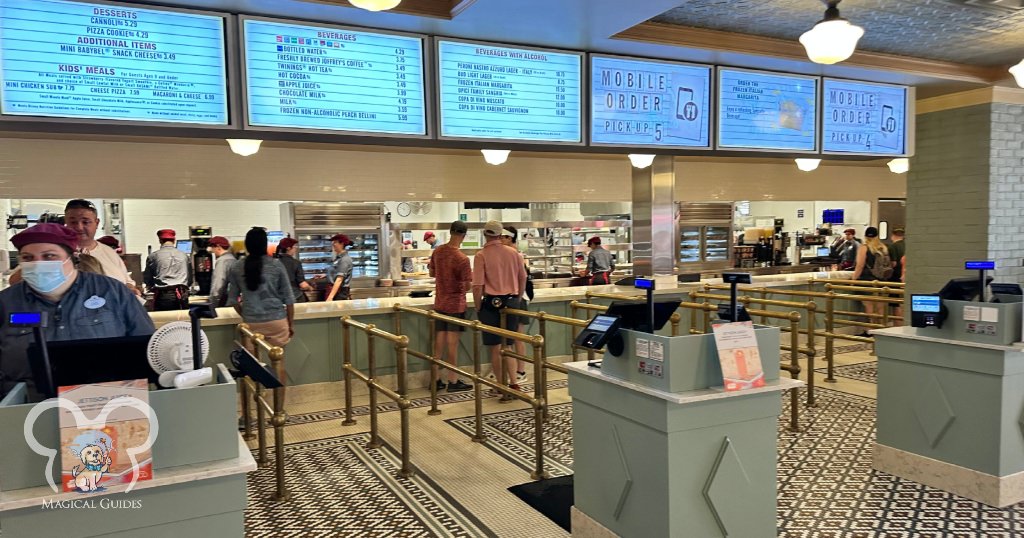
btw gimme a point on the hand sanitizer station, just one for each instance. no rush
(661, 448)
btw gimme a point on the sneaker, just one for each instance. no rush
(459, 386)
(440, 385)
(521, 377)
(514, 386)
(490, 377)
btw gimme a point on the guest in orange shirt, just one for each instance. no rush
(450, 269)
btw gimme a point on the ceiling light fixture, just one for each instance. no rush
(641, 160)
(899, 166)
(808, 165)
(244, 147)
(375, 5)
(833, 39)
(495, 156)
(1018, 73)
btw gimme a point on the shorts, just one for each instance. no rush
(488, 315)
(524, 305)
(440, 325)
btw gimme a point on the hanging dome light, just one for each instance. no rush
(808, 165)
(495, 156)
(833, 39)
(899, 166)
(640, 160)
(375, 5)
(244, 147)
(1018, 73)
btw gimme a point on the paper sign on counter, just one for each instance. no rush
(972, 313)
(739, 355)
(643, 348)
(657, 351)
(990, 314)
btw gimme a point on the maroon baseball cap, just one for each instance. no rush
(428, 235)
(286, 243)
(594, 240)
(110, 241)
(220, 241)
(342, 238)
(166, 234)
(48, 232)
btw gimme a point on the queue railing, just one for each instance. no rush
(537, 401)
(249, 388)
(401, 345)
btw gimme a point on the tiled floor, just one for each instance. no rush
(826, 486)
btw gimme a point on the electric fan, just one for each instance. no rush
(170, 355)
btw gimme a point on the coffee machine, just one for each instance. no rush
(202, 260)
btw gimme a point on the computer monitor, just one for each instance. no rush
(725, 313)
(634, 313)
(962, 289)
(185, 245)
(98, 360)
(824, 252)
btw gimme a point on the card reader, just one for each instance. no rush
(927, 311)
(596, 334)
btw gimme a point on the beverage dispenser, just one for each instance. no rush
(202, 260)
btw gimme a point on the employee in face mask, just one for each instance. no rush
(78, 305)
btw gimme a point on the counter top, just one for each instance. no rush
(32, 497)
(693, 396)
(915, 333)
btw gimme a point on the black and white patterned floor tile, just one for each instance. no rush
(827, 488)
(861, 371)
(340, 488)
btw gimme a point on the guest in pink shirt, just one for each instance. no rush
(499, 280)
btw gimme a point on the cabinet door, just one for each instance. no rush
(716, 243)
(690, 244)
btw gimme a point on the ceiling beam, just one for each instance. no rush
(702, 38)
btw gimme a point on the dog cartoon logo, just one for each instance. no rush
(92, 446)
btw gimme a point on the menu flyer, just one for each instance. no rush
(739, 355)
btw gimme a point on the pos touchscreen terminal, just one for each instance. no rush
(596, 334)
(927, 311)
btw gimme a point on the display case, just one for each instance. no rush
(705, 235)
(313, 225)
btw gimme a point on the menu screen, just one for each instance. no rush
(769, 111)
(503, 93)
(309, 77)
(649, 103)
(864, 118)
(99, 61)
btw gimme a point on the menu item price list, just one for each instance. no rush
(646, 103)
(766, 111)
(864, 118)
(307, 77)
(100, 61)
(504, 93)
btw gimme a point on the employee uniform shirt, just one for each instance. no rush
(600, 261)
(341, 266)
(296, 275)
(268, 301)
(219, 282)
(499, 269)
(167, 267)
(113, 265)
(451, 271)
(95, 306)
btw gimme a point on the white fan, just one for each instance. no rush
(421, 208)
(170, 355)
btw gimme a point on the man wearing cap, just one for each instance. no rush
(223, 259)
(81, 216)
(452, 277)
(340, 271)
(77, 305)
(430, 239)
(600, 263)
(845, 250)
(499, 280)
(287, 252)
(168, 274)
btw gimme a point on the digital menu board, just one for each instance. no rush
(502, 93)
(767, 111)
(110, 62)
(334, 79)
(859, 117)
(649, 103)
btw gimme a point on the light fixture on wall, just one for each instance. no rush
(244, 147)
(641, 160)
(899, 166)
(375, 5)
(1018, 73)
(833, 39)
(808, 165)
(495, 156)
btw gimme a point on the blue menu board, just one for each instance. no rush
(101, 61)
(864, 118)
(502, 93)
(326, 78)
(769, 111)
(649, 103)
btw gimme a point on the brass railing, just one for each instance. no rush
(537, 401)
(257, 391)
(401, 343)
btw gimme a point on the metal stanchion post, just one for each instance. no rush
(246, 412)
(371, 356)
(794, 362)
(402, 357)
(830, 308)
(435, 371)
(261, 424)
(346, 346)
(812, 324)
(280, 417)
(478, 437)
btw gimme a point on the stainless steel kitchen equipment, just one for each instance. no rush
(313, 225)
(705, 235)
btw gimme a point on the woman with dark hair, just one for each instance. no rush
(258, 288)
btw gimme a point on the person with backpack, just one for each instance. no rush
(873, 263)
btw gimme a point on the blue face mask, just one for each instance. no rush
(44, 277)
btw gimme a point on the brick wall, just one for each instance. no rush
(1006, 192)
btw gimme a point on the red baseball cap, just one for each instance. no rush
(166, 234)
(428, 235)
(219, 241)
(48, 232)
(594, 240)
(286, 243)
(850, 231)
(110, 241)
(342, 238)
